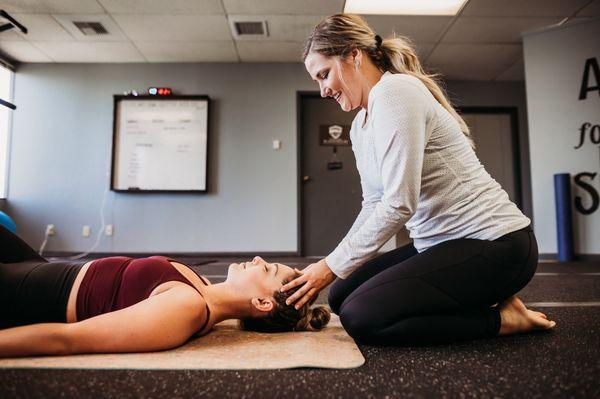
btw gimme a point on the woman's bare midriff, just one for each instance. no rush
(183, 269)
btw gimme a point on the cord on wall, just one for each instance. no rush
(43, 246)
(100, 231)
(102, 221)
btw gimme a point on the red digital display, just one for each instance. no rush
(160, 91)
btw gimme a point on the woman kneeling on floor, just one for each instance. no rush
(472, 246)
(120, 304)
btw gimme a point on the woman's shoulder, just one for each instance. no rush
(399, 84)
(189, 304)
(399, 80)
(397, 92)
(193, 304)
(188, 297)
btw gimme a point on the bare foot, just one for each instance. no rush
(516, 318)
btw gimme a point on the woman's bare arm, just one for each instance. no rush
(160, 322)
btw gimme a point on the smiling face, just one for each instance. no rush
(258, 278)
(337, 78)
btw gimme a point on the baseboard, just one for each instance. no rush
(95, 255)
(580, 257)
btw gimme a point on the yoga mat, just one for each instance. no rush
(225, 348)
(564, 216)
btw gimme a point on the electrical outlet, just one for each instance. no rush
(108, 230)
(86, 231)
(50, 230)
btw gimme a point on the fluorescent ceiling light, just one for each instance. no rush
(403, 7)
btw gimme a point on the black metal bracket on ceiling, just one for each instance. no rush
(9, 25)
(7, 104)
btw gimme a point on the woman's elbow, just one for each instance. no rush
(66, 342)
(399, 213)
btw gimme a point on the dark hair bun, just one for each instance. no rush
(317, 318)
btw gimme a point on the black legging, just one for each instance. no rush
(32, 290)
(441, 295)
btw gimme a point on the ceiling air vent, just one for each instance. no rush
(91, 28)
(250, 28)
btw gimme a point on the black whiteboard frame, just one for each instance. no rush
(119, 97)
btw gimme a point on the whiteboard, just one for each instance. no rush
(160, 144)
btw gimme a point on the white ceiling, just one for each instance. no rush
(482, 43)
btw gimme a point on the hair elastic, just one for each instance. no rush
(378, 40)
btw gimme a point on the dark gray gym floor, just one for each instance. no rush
(564, 363)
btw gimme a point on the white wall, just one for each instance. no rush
(61, 139)
(61, 144)
(554, 65)
(6, 80)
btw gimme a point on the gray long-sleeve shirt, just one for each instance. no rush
(417, 169)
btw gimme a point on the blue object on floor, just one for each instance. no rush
(564, 216)
(7, 222)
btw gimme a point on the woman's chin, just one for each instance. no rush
(230, 270)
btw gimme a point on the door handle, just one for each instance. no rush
(305, 179)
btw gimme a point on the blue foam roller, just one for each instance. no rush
(564, 216)
(7, 222)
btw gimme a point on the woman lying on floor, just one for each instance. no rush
(120, 304)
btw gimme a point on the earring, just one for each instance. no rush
(357, 64)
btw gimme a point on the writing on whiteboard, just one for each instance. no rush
(162, 144)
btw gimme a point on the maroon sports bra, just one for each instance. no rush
(118, 282)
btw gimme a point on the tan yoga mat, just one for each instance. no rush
(225, 348)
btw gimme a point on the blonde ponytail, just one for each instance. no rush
(399, 57)
(339, 34)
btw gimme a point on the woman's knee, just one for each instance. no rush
(357, 324)
(336, 297)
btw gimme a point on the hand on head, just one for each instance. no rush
(275, 315)
(310, 282)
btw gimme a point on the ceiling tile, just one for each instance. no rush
(425, 29)
(188, 52)
(289, 51)
(286, 7)
(423, 49)
(592, 10)
(183, 28)
(473, 61)
(115, 34)
(11, 36)
(493, 30)
(91, 52)
(270, 51)
(41, 27)
(163, 7)
(528, 8)
(570, 21)
(515, 73)
(284, 28)
(579, 19)
(51, 6)
(23, 51)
